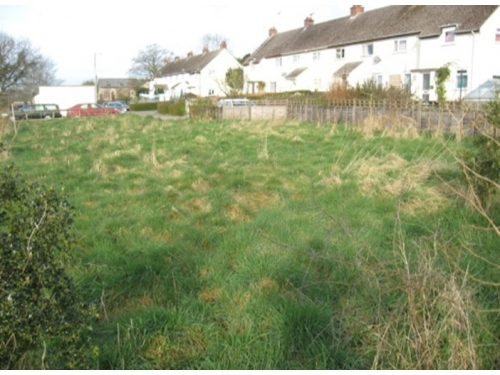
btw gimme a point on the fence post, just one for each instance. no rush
(354, 113)
(419, 114)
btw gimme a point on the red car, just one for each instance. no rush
(91, 109)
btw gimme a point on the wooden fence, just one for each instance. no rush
(451, 118)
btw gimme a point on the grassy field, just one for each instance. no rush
(271, 245)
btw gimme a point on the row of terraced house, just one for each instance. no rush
(399, 45)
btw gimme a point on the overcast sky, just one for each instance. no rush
(72, 33)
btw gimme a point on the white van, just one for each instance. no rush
(234, 103)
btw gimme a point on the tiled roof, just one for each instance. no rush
(190, 65)
(114, 83)
(396, 20)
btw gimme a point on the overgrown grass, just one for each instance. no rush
(271, 245)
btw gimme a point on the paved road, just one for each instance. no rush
(157, 115)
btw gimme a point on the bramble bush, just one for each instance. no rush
(484, 160)
(44, 322)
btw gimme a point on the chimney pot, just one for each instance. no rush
(190, 54)
(223, 45)
(205, 49)
(308, 22)
(356, 9)
(177, 58)
(273, 31)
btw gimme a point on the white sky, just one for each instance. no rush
(70, 33)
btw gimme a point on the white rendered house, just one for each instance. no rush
(201, 75)
(399, 45)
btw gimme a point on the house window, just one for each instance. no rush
(317, 84)
(461, 79)
(316, 56)
(272, 86)
(368, 50)
(278, 62)
(296, 59)
(497, 36)
(400, 45)
(211, 92)
(449, 36)
(340, 53)
(377, 78)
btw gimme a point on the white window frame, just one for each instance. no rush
(317, 84)
(273, 87)
(279, 62)
(449, 35)
(497, 35)
(400, 45)
(296, 59)
(316, 56)
(340, 53)
(461, 75)
(378, 79)
(366, 49)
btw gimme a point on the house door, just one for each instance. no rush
(428, 91)
(426, 87)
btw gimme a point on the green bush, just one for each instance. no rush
(175, 109)
(164, 108)
(178, 108)
(484, 160)
(43, 319)
(143, 106)
(203, 109)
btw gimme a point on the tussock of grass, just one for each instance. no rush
(389, 126)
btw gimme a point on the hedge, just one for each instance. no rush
(143, 107)
(175, 109)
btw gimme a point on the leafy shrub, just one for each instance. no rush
(163, 108)
(175, 109)
(203, 109)
(43, 319)
(484, 160)
(368, 90)
(143, 106)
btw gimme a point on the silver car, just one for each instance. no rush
(122, 107)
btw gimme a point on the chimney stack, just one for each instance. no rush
(223, 45)
(190, 54)
(177, 58)
(308, 22)
(356, 9)
(273, 31)
(205, 49)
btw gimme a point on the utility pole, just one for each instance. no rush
(96, 93)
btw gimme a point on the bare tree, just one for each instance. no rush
(212, 41)
(148, 62)
(22, 69)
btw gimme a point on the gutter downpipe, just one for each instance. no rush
(472, 59)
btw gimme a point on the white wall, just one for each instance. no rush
(65, 96)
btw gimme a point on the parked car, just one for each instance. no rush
(234, 103)
(90, 109)
(121, 106)
(37, 111)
